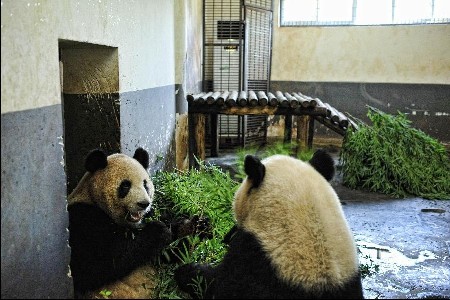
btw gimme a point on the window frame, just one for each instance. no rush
(353, 22)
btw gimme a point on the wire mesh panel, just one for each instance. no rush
(237, 57)
(258, 41)
(263, 4)
(223, 40)
(258, 45)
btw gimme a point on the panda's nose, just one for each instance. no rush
(143, 204)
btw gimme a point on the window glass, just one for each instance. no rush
(335, 10)
(363, 12)
(374, 12)
(405, 12)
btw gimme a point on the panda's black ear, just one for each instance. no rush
(142, 157)
(323, 163)
(254, 169)
(96, 160)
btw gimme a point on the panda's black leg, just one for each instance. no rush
(195, 279)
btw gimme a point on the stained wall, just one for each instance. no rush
(394, 68)
(127, 50)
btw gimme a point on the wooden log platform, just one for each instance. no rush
(288, 104)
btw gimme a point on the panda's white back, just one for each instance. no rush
(298, 218)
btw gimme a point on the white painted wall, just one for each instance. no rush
(381, 54)
(143, 31)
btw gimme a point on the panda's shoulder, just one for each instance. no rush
(244, 245)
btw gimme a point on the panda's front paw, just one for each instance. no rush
(194, 226)
(158, 232)
(202, 227)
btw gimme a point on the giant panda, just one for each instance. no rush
(291, 238)
(113, 245)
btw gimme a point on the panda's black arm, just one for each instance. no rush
(91, 234)
(140, 247)
(103, 252)
(244, 272)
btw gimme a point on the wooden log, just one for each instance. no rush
(327, 122)
(353, 124)
(312, 102)
(252, 99)
(222, 98)
(282, 100)
(202, 99)
(332, 114)
(212, 98)
(304, 102)
(262, 98)
(319, 103)
(293, 102)
(243, 98)
(343, 120)
(273, 101)
(192, 97)
(232, 99)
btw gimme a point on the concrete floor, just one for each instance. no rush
(408, 239)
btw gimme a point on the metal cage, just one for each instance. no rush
(237, 56)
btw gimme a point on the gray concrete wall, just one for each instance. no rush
(426, 105)
(127, 60)
(147, 119)
(35, 251)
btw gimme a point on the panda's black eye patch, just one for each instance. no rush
(124, 188)
(145, 185)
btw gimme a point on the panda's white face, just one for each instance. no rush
(123, 190)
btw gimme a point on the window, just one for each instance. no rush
(363, 12)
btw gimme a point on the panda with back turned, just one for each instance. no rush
(113, 246)
(291, 238)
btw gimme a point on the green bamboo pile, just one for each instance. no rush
(393, 158)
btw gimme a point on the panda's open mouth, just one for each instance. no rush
(135, 216)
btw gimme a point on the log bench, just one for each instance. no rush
(288, 104)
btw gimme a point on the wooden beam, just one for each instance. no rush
(287, 128)
(196, 138)
(302, 131)
(256, 110)
(214, 135)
